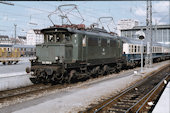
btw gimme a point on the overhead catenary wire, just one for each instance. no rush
(90, 13)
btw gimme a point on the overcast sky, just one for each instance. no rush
(25, 13)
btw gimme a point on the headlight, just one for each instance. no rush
(36, 58)
(57, 58)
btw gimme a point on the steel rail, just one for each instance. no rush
(159, 87)
(22, 90)
(146, 97)
(98, 108)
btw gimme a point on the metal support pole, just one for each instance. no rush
(15, 33)
(148, 59)
(147, 34)
(141, 48)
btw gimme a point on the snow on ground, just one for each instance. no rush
(77, 99)
(14, 76)
(14, 80)
(7, 75)
(19, 67)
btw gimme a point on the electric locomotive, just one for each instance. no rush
(71, 52)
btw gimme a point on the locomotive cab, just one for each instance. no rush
(57, 47)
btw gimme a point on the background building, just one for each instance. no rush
(22, 40)
(160, 33)
(34, 37)
(4, 39)
(126, 24)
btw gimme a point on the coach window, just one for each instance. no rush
(158, 49)
(138, 48)
(129, 48)
(132, 48)
(155, 49)
(144, 48)
(135, 48)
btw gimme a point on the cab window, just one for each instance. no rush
(57, 37)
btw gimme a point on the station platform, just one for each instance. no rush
(163, 105)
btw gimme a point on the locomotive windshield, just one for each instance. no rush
(57, 37)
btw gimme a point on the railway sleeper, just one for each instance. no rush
(125, 103)
(122, 103)
(128, 101)
(132, 97)
(117, 109)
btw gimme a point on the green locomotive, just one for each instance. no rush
(71, 53)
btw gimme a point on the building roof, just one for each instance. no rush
(138, 41)
(4, 36)
(37, 31)
(22, 37)
(144, 27)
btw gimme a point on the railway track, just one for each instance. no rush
(19, 95)
(141, 97)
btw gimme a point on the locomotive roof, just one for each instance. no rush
(86, 32)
